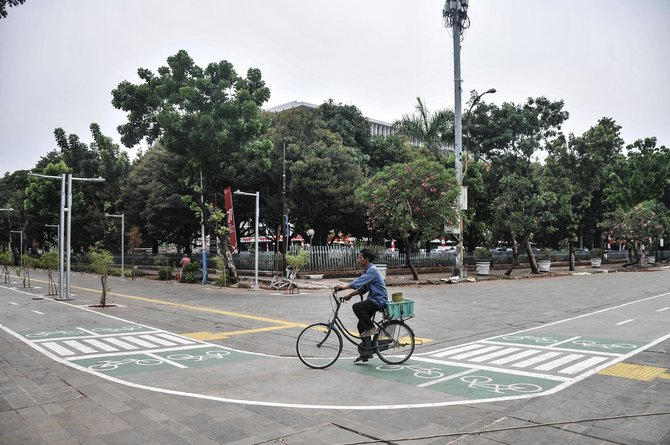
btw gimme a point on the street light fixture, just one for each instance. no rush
(123, 235)
(257, 195)
(310, 233)
(64, 251)
(474, 100)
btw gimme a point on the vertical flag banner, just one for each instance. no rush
(230, 216)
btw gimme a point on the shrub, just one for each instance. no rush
(165, 273)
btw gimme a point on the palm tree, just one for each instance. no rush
(434, 131)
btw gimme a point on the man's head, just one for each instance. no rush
(365, 257)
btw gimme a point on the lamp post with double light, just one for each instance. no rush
(65, 226)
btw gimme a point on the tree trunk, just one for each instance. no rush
(228, 256)
(571, 252)
(515, 256)
(408, 260)
(531, 257)
(103, 297)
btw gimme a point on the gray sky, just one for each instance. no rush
(60, 59)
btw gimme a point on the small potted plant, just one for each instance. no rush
(596, 257)
(483, 260)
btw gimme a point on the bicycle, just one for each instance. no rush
(319, 345)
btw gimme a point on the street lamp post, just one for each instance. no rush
(64, 251)
(60, 263)
(257, 195)
(284, 214)
(310, 233)
(123, 235)
(474, 100)
(455, 16)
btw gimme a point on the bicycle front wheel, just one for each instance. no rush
(319, 345)
(394, 343)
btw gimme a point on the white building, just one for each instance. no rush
(377, 128)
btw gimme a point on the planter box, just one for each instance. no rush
(543, 265)
(483, 267)
(596, 262)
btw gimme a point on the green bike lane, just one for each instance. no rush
(518, 365)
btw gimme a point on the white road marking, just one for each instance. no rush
(559, 362)
(664, 309)
(171, 337)
(449, 377)
(121, 344)
(578, 367)
(58, 349)
(38, 312)
(138, 341)
(473, 353)
(495, 354)
(537, 359)
(515, 357)
(444, 353)
(160, 341)
(16, 304)
(625, 321)
(100, 345)
(80, 347)
(564, 341)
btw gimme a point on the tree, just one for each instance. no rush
(433, 131)
(642, 224)
(211, 117)
(152, 199)
(101, 264)
(5, 3)
(411, 202)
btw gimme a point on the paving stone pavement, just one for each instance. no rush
(46, 402)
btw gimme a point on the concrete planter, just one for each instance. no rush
(483, 267)
(596, 262)
(382, 269)
(543, 265)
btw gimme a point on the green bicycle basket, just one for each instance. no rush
(401, 310)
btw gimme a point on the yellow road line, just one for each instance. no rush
(222, 335)
(635, 372)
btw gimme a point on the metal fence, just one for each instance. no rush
(337, 258)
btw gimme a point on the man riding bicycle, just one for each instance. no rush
(371, 282)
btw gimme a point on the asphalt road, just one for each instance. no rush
(571, 359)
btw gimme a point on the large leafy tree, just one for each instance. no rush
(411, 202)
(152, 199)
(209, 116)
(643, 224)
(101, 158)
(508, 144)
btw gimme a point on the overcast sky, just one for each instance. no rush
(60, 59)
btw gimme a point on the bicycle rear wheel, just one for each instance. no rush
(319, 345)
(394, 343)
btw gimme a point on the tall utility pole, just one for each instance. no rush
(455, 15)
(284, 214)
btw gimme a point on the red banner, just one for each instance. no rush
(230, 216)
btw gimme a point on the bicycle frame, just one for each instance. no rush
(335, 322)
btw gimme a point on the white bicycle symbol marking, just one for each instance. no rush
(542, 340)
(110, 365)
(419, 371)
(593, 344)
(50, 333)
(123, 329)
(477, 381)
(199, 358)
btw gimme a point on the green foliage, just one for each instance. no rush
(297, 260)
(483, 253)
(8, 3)
(411, 201)
(101, 261)
(434, 131)
(644, 223)
(597, 252)
(6, 258)
(190, 272)
(165, 273)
